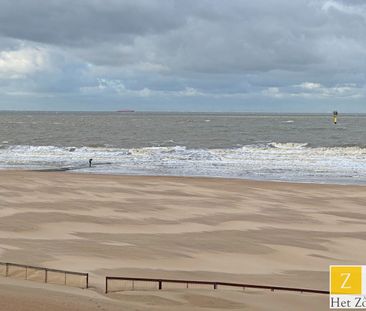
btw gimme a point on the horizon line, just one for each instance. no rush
(187, 111)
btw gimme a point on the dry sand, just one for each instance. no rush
(193, 228)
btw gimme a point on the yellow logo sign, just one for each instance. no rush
(345, 280)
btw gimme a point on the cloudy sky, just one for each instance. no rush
(185, 55)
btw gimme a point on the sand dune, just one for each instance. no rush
(213, 229)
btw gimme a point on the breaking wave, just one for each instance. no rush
(272, 161)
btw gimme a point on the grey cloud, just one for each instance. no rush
(82, 22)
(198, 36)
(168, 46)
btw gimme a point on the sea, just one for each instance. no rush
(291, 147)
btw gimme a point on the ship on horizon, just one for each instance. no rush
(126, 110)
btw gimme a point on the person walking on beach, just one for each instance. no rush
(90, 162)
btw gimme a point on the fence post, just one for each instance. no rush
(45, 275)
(215, 285)
(65, 278)
(106, 284)
(87, 280)
(160, 284)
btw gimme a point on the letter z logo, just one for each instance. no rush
(346, 278)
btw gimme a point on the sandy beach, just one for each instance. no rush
(257, 232)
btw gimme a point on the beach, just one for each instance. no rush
(259, 232)
(182, 155)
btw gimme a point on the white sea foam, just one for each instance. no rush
(275, 161)
(287, 145)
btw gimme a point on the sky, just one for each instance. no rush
(183, 55)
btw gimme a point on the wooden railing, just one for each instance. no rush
(80, 279)
(44, 275)
(159, 284)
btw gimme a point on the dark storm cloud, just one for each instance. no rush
(203, 36)
(85, 21)
(268, 49)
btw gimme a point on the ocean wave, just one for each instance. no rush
(288, 145)
(270, 147)
(278, 161)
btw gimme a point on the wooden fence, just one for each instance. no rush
(44, 275)
(128, 283)
(117, 284)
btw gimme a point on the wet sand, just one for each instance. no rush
(192, 228)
